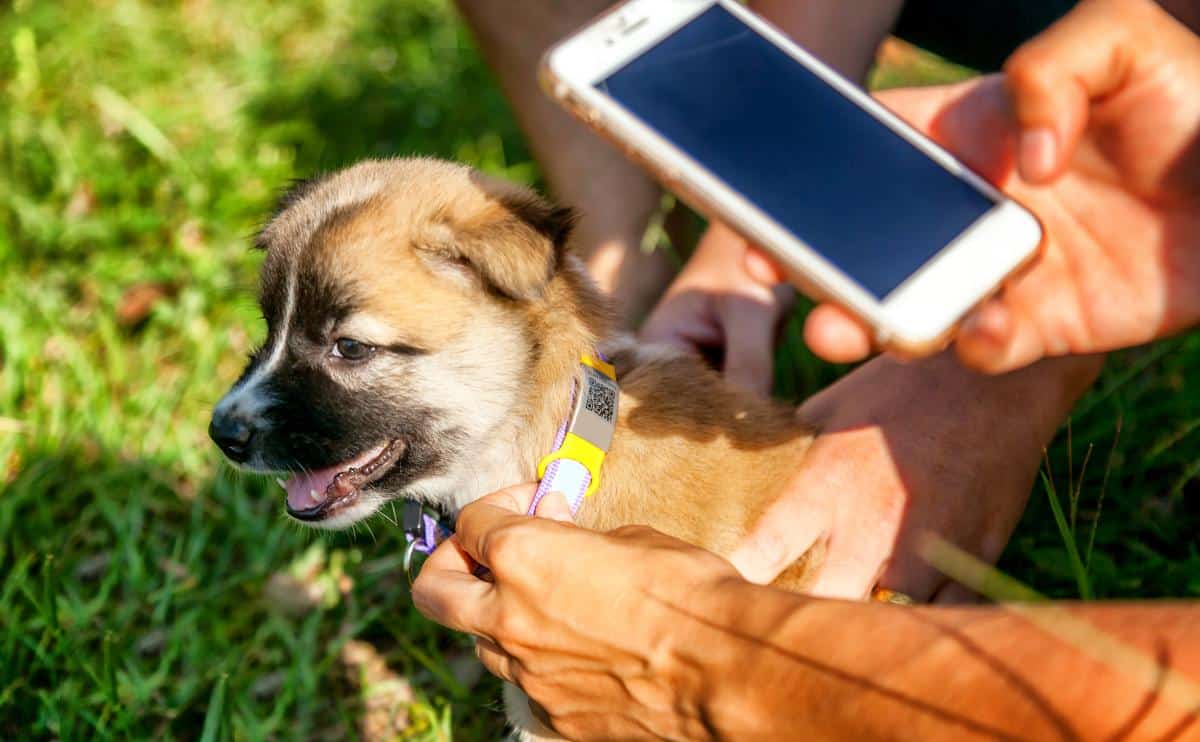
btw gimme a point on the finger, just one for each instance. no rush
(749, 343)
(983, 339)
(778, 543)
(762, 267)
(496, 660)
(847, 576)
(487, 525)
(996, 340)
(789, 528)
(920, 107)
(555, 507)
(447, 592)
(1053, 78)
(977, 127)
(680, 321)
(835, 335)
(479, 521)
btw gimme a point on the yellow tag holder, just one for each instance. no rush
(593, 420)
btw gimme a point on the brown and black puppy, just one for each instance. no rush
(425, 325)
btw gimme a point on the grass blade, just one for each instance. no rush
(1068, 538)
(118, 108)
(984, 579)
(1112, 451)
(50, 592)
(216, 710)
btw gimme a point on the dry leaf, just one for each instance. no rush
(385, 695)
(82, 203)
(138, 301)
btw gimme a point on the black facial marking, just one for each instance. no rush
(315, 423)
(297, 189)
(321, 303)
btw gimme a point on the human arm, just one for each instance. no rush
(634, 634)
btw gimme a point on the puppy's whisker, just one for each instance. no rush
(389, 518)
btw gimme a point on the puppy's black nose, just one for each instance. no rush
(232, 434)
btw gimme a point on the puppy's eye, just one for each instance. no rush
(349, 349)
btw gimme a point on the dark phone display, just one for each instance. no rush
(841, 181)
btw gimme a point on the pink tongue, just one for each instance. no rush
(300, 488)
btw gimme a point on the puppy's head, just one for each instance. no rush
(397, 296)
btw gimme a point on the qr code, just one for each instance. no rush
(601, 400)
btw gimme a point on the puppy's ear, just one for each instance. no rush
(514, 243)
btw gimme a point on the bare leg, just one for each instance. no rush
(616, 198)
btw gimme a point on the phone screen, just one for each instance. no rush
(840, 180)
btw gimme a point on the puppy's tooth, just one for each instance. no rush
(279, 481)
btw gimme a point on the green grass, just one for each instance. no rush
(145, 589)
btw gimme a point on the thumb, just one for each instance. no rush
(1053, 79)
(749, 326)
(554, 506)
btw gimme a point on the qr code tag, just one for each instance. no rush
(595, 415)
(601, 399)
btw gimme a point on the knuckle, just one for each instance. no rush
(451, 614)
(1029, 69)
(505, 545)
(511, 628)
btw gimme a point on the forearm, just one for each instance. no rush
(1186, 11)
(781, 666)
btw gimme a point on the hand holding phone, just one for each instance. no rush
(1105, 141)
(857, 207)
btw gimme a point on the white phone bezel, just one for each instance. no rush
(919, 313)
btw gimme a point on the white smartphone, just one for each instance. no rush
(858, 207)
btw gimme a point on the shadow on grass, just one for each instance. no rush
(129, 592)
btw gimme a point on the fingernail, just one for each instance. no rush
(1038, 154)
(988, 323)
(555, 507)
(761, 269)
(971, 324)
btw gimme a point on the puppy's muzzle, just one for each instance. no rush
(233, 434)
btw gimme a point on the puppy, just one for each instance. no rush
(425, 330)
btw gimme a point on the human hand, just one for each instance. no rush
(1100, 123)
(726, 297)
(906, 450)
(598, 629)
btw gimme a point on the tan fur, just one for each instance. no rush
(434, 251)
(432, 247)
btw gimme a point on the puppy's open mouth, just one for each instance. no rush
(316, 495)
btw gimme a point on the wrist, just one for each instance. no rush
(748, 655)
